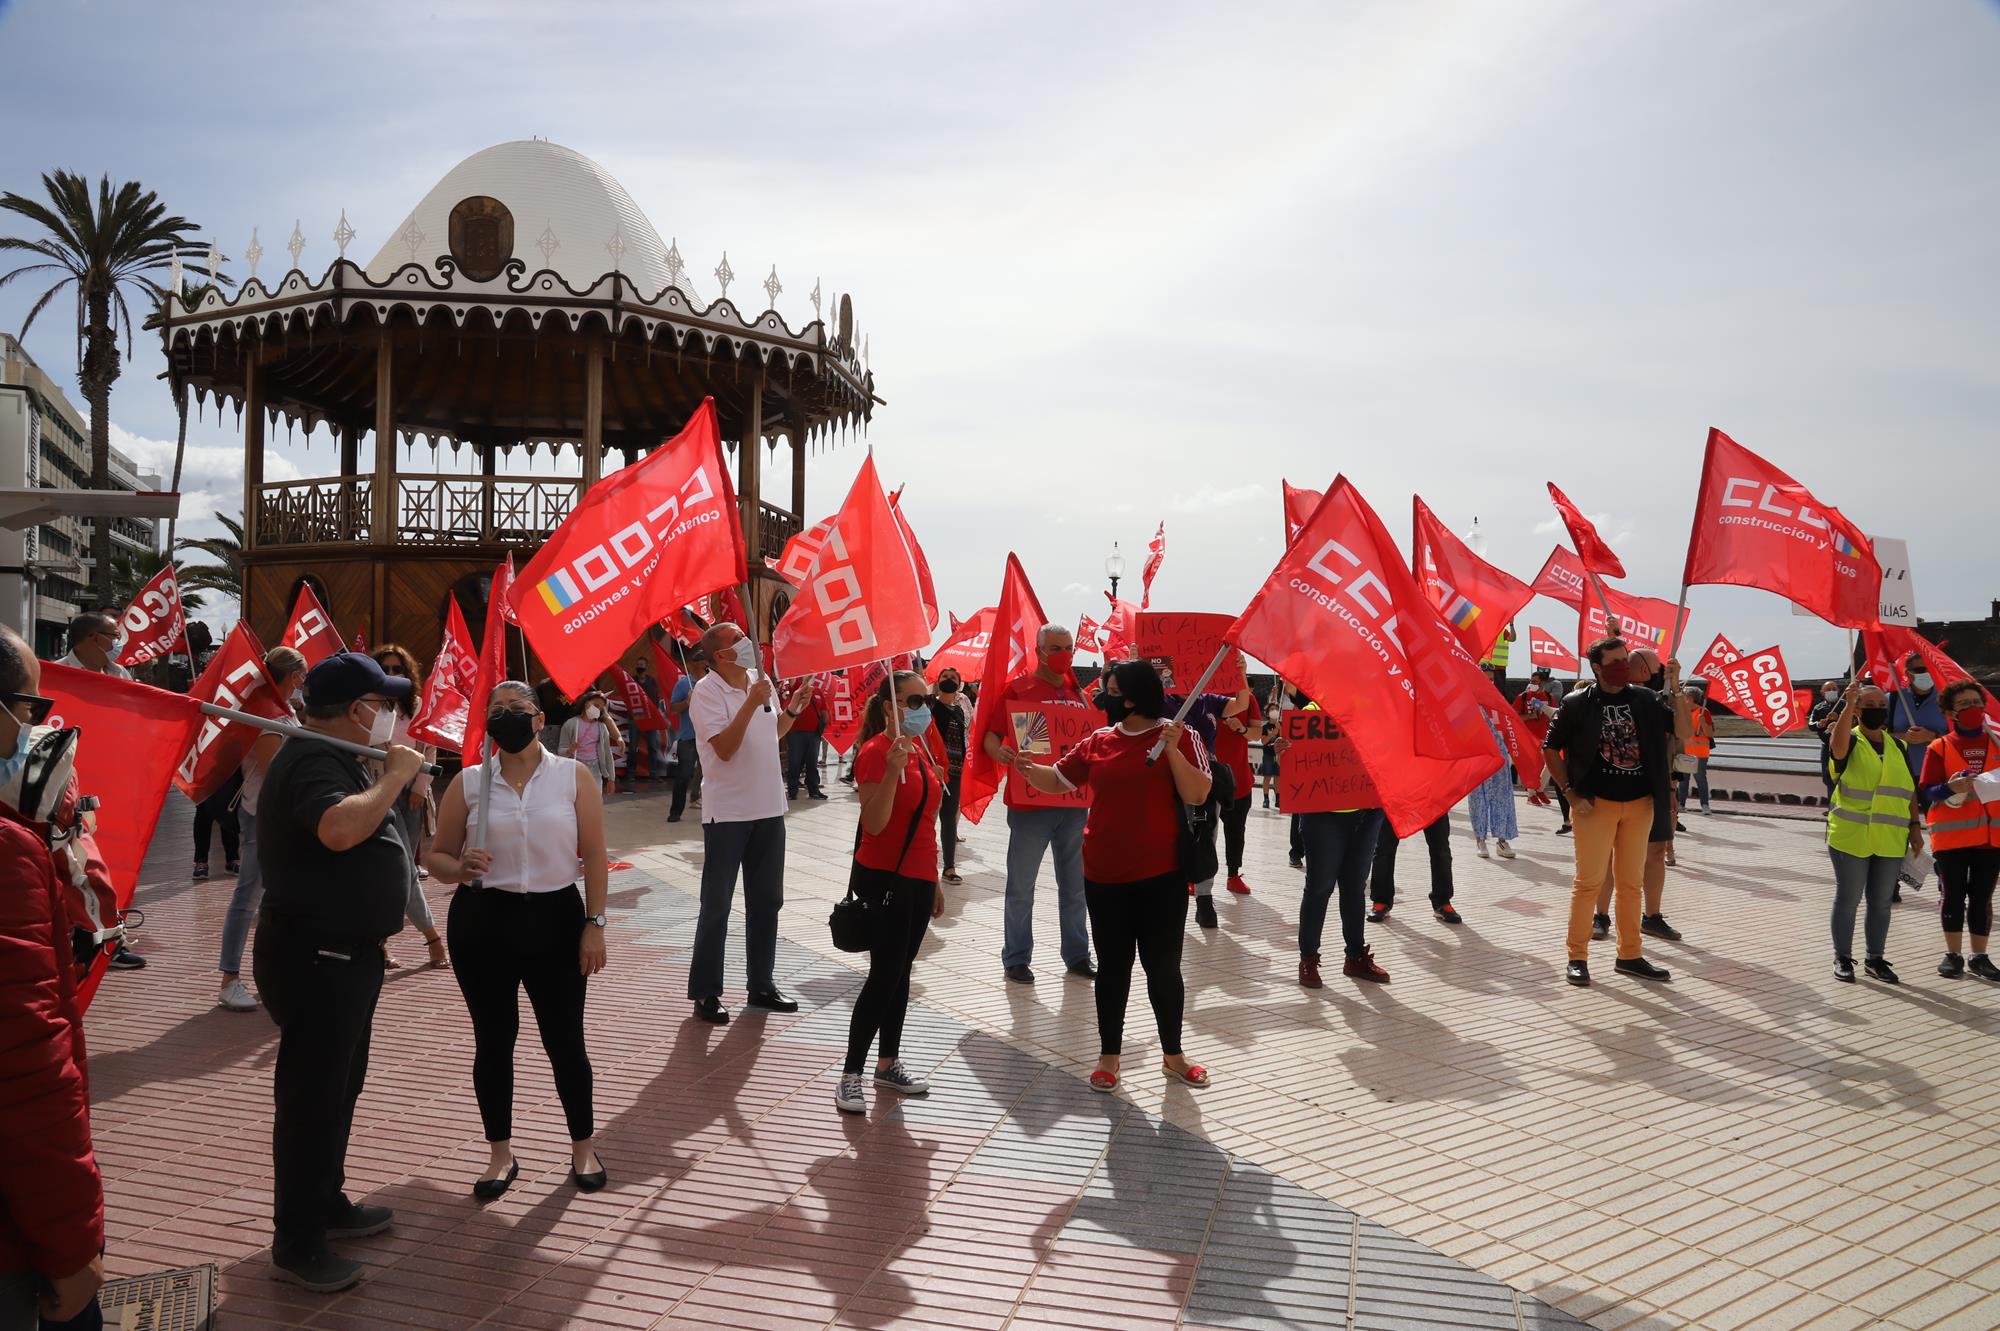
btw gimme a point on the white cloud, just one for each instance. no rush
(1208, 497)
(211, 476)
(1077, 589)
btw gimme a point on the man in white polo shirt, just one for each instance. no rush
(743, 807)
(93, 645)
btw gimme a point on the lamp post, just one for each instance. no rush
(1114, 568)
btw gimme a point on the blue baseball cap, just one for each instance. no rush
(346, 676)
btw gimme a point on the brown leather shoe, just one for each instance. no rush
(1309, 970)
(1363, 967)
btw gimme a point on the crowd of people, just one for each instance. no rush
(335, 848)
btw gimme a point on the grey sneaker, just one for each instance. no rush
(236, 997)
(896, 1077)
(848, 1099)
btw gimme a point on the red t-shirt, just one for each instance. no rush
(1028, 688)
(1134, 827)
(1233, 750)
(918, 795)
(808, 718)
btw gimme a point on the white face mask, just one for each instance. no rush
(383, 726)
(591, 712)
(1920, 681)
(744, 653)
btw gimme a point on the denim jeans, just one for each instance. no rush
(802, 762)
(244, 900)
(1031, 834)
(1700, 776)
(1854, 875)
(1340, 851)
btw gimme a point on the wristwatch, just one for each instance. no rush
(597, 920)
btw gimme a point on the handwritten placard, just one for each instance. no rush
(1321, 771)
(1181, 646)
(1045, 732)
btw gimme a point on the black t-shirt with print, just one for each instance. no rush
(1621, 768)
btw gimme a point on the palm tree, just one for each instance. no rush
(225, 575)
(129, 573)
(100, 247)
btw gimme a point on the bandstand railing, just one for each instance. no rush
(777, 527)
(334, 510)
(481, 510)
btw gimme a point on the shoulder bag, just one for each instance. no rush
(852, 920)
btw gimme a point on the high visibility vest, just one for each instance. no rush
(1703, 743)
(1970, 824)
(1872, 800)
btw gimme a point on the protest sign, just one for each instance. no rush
(1321, 769)
(1045, 732)
(1180, 646)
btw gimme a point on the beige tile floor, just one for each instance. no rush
(1754, 1145)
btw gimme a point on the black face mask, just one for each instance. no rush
(1874, 718)
(947, 686)
(512, 730)
(1115, 706)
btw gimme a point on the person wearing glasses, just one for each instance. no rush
(519, 921)
(93, 645)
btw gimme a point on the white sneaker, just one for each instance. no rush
(236, 996)
(896, 1077)
(848, 1099)
(1480, 846)
(1506, 851)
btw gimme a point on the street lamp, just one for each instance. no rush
(1114, 568)
(1475, 539)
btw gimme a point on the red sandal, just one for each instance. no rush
(1196, 1075)
(1100, 1080)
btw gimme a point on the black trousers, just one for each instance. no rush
(1149, 917)
(802, 761)
(892, 950)
(1965, 882)
(1382, 880)
(756, 849)
(502, 943)
(1235, 818)
(948, 820)
(687, 775)
(322, 996)
(1562, 801)
(215, 813)
(1298, 842)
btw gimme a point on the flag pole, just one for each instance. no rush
(1187, 703)
(1612, 627)
(485, 810)
(292, 732)
(1680, 616)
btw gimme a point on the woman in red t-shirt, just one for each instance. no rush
(896, 871)
(1132, 880)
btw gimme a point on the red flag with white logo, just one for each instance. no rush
(1299, 504)
(1156, 555)
(645, 713)
(235, 679)
(1590, 547)
(926, 589)
(965, 650)
(311, 629)
(1761, 688)
(666, 670)
(1545, 649)
(860, 600)
(1342, 618)
(843, 715)
(1754, 526)
(1890, 646)
(447, 701)
(1643, 621)
(1010, 651)
(644, 542)
(1475, 598)
(1562, 578)
(1714, 667)
(492, 663)
(801, 550)
(1089, 634)
(154, 624)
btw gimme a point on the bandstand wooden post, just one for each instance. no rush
(593, 415)
(749, 473)
(383, 528)
(253, 460)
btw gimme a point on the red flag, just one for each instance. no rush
(1342, 618)
(131, 739)
(1761, 684)
(645, 541)
(965, 650)
(725, 606)
(311, 629)
(235, 679)
(801, 550)
(1545, 649)
(1475, 598)
(843, 717)
(447, 701)
(1299, 504)
(1714, 667)
(361, 640)
(681, 624)
(492, 663)
(1562, 579)
(645, 713)
(666, 670)
(1089, 635)
(925, 587)
(860, 600)
(1121, 630)
(1643, 621)
(1890, 645)
(1754, 526)
(154, 624)
(1010, 652)
(1156, 555)
(1590, 547)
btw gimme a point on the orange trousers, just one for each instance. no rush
(1610, 835)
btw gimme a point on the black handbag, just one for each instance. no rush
(852, 921)
(1198, 826)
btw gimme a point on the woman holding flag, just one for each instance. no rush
(1870, 826)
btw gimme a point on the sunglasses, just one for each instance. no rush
(397, 671)
(38, 706)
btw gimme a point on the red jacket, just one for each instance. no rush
(51, 1196)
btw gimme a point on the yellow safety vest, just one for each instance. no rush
(1873, 799)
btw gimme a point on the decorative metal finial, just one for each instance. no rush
(547, 243)
(676, 269)
(296, 243)
(864, 353)
(214, 264)
(772, 286)
(615, 247)
(343, 233)
(253, 254)
(815, 297)
(412, 237)
(725, 274)
(174, 274)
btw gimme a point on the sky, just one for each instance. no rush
(1128, 264)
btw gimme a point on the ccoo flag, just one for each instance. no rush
(154, 625)
(1590, 547)
(311, 629)
(644, 542)
(1754, 526)
(862, 598)
(1475, 598)
(1546, 649)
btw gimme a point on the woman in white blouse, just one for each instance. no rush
(517, 920)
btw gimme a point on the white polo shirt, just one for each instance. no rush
(750, 784)
(111, 668)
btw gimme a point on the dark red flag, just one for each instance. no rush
(1754, 526)
(154, 624)
(861, 599)
(1475, 598)
(1590, 547)
(311, 629)
(645, 541)
(666, 670)
(843, 714)
(448, 689)
(235, 679)
(645, 713)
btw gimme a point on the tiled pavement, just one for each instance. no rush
(1754, 1145)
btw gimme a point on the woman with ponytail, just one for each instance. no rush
(901, 785)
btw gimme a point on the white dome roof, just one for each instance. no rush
(552, 192)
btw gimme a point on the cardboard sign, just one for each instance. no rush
(1899, 594)
(1181, 646)
(1045, 732)
(1321, 771)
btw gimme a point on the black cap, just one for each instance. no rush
(346, 676)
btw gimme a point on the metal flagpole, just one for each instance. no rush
(1612, 628)
(1680, 616)
(292, 731)
(1187, 703)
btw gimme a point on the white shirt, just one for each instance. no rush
(532, 838)
(111, 668)
(749, 784)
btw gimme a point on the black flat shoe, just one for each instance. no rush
(1083, 970)
(772, 1001)
(487, 1189)
(1640, 968)
(593, 1181)
(711, 1011)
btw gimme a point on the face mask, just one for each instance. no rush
(744, 653)
(1059, 659)
(947, 686)
(1657, 680)
(1920, 681)
(512, 730)
(11, 765)
(592, 712)
(383, 725)
(916, 720)
(1969, 720)
(1615, 673)
(1115, 706)
(1874, 718)
(1271, 715)
(1828, 696)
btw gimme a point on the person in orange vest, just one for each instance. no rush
(1964, 825)
(1698, 747)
